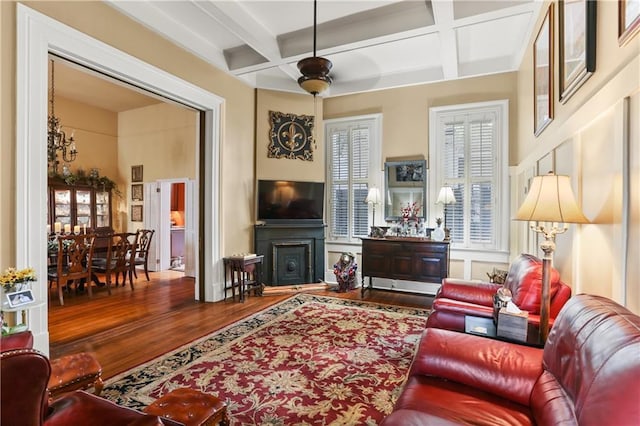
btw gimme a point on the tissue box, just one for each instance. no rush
(512, 326)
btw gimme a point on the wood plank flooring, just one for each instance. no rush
(129, 327)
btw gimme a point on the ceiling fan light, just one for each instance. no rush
(315, 85)
(315, 74)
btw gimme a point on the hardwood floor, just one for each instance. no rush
(129, 327)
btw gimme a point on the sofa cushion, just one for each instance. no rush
(447, 402)
(525, 282)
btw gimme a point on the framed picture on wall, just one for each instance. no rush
(577, 28)
(136, 192)
(543, 74)
(136, 173)
(628, 20)
(136, 213)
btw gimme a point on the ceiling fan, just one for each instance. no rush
(315, 77)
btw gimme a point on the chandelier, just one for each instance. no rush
(315, 70)
(56, 137)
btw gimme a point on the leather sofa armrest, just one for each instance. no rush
(501, 368)
(479, 293)
(80, 407)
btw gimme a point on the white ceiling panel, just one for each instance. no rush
(373, 44)
(488, 40)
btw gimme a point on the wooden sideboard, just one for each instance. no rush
(404, 258)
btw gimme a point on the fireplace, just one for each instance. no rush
(293, 252)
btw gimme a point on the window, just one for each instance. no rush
(352, 149)
(468, 144)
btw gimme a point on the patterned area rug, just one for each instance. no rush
(309, 360)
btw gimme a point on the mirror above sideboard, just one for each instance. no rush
(405, 183)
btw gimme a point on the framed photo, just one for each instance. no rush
(577, 27)
(136, 192)
(136, 173)
(136, 213)
(543, 74)
(20, 298)
(628, 20)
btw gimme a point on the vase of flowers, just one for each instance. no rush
(13, 280)
(410, 221)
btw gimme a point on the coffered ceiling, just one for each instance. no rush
(373, 44)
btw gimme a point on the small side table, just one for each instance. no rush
(244, 273)
(485, 327)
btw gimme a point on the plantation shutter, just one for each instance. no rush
(454, 176)
(349, 180)
(469, 166)
(360, 167)
(339, 201)
(482, 174)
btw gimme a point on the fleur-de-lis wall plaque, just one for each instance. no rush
(291, 136)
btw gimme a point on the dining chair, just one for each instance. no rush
(73, 264)
(117, 261)
(142, 250)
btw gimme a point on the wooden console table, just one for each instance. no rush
(404, 258)
(245, 273)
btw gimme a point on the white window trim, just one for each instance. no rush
(375, 165)
(502, 219)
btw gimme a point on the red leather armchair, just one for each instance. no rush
(457, 298)
(24, 374)
(587, 374)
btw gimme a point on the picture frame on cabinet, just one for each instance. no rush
(136, 173)
(577, 32)
(136, 213)
(137, 192)
(543, 74)
(628, 20)
(20, 298)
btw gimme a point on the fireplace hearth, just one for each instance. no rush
(293, 252)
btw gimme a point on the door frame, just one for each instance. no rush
(39, 35)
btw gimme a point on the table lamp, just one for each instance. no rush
(446, 197)
(373, 198)
(550, 199)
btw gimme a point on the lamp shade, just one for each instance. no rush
(446, 196)
(373, 197)
(550, 199)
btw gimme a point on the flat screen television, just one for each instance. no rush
(280, 200)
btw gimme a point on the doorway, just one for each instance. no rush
(39, 35)
(177, 227)
(169, 209)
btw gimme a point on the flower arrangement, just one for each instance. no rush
(410, 211)
(12, 276)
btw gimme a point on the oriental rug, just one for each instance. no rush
(309, 360)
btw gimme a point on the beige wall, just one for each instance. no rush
(405, 122)
(284, 168)
(163, 138)
(102, 22)
(96, 135)
(586, 138)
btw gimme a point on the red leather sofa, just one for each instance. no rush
(457, 298)
(24, 397)
(587, 374)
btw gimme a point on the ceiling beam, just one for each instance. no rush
(443, 14)
(237, 20)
